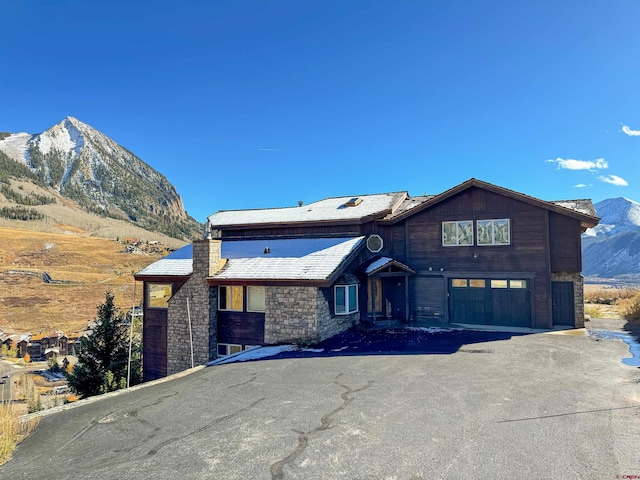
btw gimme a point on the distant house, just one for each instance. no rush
(477, 254)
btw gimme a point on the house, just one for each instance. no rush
(477, 254)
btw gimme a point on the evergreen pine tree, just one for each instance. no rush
(103, 355)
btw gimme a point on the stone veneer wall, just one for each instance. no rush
(328, 325)
(290, 315)
(302, 315)
(202, 302)
(578, 293)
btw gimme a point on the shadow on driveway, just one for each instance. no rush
(402, 341)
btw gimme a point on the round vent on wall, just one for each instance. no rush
(374, 243)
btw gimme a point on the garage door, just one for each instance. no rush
(484, 301)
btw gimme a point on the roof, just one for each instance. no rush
(304, 259)
(383, 263)
(178, 263)
(582, 205)
(574, 208)
(327, 210)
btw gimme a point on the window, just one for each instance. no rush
(225, 349)
(255, 299)
(158, 295)
(457, 233)
(517, 283)
(476, 283)
(498, 284)
(374, 243)
(230, 298)
(493, 232)
(346, 299)
(459, 282)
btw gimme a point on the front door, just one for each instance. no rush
(374, 298)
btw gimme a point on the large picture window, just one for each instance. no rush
(230, 298)
(346, 299)
(457, 233)
(158, 295)
(493, 232)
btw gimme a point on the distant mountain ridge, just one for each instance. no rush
(611, 250)
(84, 165)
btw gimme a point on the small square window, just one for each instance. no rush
(493, 232)
(458, 282)
(477, 282)
(345, 299)
(457, 233)
(158, 295)
(230, 298)
(517, 283)
(256, 299)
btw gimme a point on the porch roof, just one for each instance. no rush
(386, 263)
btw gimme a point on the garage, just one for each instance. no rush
(490, 301)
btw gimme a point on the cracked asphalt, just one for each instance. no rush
(529, 406)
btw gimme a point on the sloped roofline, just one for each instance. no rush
(586, 221)
(397, 199)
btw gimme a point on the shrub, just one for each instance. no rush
(593, 311)
(12, 430)
(630, 308)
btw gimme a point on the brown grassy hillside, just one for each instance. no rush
(86, 265)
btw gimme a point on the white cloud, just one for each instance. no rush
(572, 164)
(613, 180)
(580, 185)
(631, 133)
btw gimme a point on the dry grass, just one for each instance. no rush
(601, 302)
(92, 265)
(12, 429)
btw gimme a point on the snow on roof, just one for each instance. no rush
(178, 263)
(289, 259)
(381, 262)
(294, 259)
(584, 206)
(323, 210)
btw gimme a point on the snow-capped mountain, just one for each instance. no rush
(86, 166)
(612, 248)
(617, 215)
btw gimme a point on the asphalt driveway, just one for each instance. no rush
(498, 406)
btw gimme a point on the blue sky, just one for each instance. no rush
(251, 104)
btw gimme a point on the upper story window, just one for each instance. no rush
(255, 298)
(458, 233)
(230, 298)
(493, 232)
(345, 299)
(374, 243)
(158, 295)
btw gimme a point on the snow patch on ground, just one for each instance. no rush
(262, 352)
(429, 329)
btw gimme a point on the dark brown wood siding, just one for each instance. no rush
(564, 233)
(154, 344)
(292, 231)
(154, 333)
(241, 328)
(528, 251)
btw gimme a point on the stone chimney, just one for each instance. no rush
(195, 305)
(207, 257)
